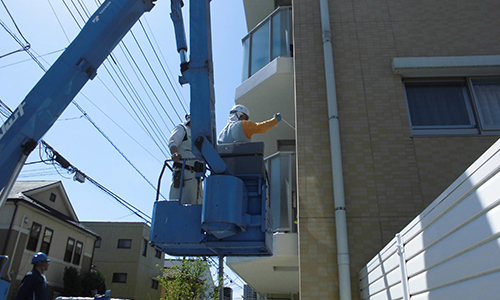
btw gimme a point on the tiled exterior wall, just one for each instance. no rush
(389, 176)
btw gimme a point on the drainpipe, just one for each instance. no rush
(15, 245)
(338, 180)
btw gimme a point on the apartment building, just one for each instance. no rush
(384, 105)
(129, 263)
(38, 216)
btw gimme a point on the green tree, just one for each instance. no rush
(185, 282)
(93, 281)
(72, 285)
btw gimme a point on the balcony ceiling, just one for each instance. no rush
(278, 274)
(256, 11)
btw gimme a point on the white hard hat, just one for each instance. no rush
(240, 108)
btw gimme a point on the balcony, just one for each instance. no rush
(279, 274)
(270, 39)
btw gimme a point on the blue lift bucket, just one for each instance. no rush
(235, 218)
(4, 285)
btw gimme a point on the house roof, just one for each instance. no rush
(35, 193)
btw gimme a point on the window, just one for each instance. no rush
(454, 106)
(144, 248)
(78, 253)
(34, 236)
(158, 253)
(154, 284)
(47, 239)
(125, 243)
(53, 197)
(278, 3)
(70, 246)
(120, 277)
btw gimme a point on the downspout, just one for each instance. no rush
(4, 249)
(17, 243)
(338, 180)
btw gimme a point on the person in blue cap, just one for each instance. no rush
(34, 285)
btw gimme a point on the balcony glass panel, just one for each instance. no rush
(259, 48)
(280, 168)
(270, 39)
(281, 34)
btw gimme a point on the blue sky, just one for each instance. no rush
(49, 27)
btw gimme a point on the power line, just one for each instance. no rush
(54, 157)
(23, 47)
(111, 142)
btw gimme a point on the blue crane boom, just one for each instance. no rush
(42, 106)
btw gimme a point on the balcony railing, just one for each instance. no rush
(282, 182)
(271, 38)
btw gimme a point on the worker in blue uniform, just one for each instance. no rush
(240, 129)
(180, 148)
(34, 285)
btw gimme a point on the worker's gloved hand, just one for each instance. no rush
(278, 116)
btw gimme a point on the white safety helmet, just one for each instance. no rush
(239, 109)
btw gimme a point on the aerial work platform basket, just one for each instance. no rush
(235, 218)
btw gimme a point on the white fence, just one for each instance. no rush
(451, 250)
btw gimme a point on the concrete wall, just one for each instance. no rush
(140, 270)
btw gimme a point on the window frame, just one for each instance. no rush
(478, 108)
(118, 277)
(119, 246)
(155, 284)
(144, 250)
(77, 257)
(67, 252)
(45, 246)
(475, 114)
(32, 239)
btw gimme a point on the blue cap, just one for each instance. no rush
(40, 256)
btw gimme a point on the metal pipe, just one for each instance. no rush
(402, 267)
(16, 244)
(221, 277)
(336, 158)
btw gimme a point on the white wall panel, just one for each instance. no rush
(452, 249)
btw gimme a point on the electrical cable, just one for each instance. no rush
(156, 55)
(23, 47)
(126, 99)
(175, 87)
(111, 142)
(141, 105)
(147, 82)
(123, 130)
(160, 133)
(54, 157)
(58, 21)
(143, 119)
(29, 59)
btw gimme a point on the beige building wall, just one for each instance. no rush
(17, 216)
(389, 175)
(141, 270)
